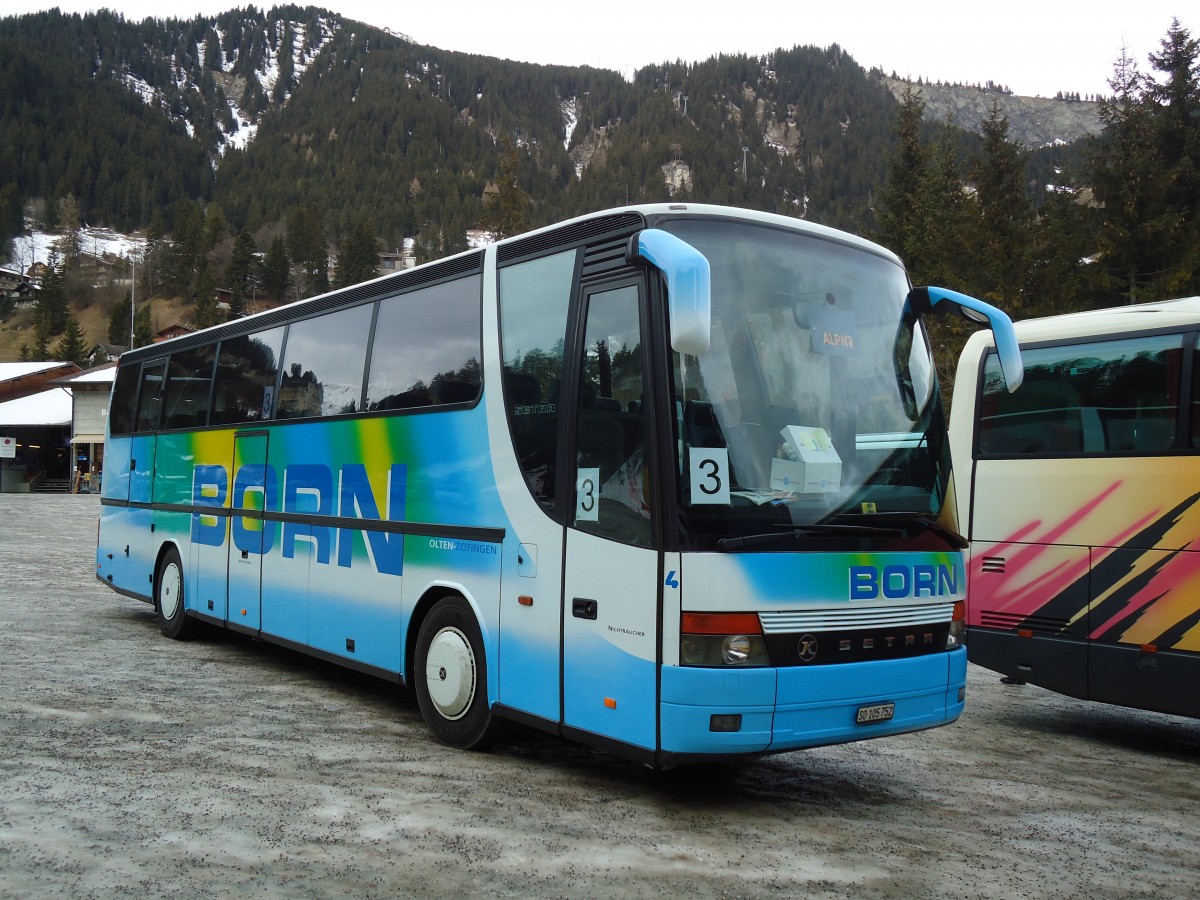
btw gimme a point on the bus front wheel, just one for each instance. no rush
(168, 598)
(451, 676)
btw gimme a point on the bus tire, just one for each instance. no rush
(168, 598)
(451, 677)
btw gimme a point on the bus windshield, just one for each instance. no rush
(816, 409)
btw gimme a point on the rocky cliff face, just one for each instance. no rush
(1032, 121)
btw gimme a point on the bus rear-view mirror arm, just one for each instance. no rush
(689, 286)
(923, 300)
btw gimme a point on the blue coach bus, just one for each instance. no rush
(671, 480)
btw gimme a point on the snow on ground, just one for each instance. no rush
(36, 246)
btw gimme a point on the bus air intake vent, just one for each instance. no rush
(855, 619)
(574, 235)
(990, 618)
(604, 258)
(993, 565)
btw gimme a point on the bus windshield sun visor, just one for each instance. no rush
(689, 286)
(922, 300)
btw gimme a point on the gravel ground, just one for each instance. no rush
(137, 765)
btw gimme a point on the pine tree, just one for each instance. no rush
(306, 247)
(205, 298)
(118, 323)
(942, 214)
(900, 197)
(358, 255)
(1178, 138)
(240, 274)
(72, 347)
(1005, 215)
(141, 326)
(276, 270)
(506, 214)
(51, 308)
(1135, 224)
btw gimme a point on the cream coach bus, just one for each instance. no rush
(1080, 494)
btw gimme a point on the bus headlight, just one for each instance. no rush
(722, 639)
(735, 651)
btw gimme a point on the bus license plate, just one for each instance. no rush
(880, 712)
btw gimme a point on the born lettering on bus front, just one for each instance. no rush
(896, 581)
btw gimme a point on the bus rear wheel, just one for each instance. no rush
(168, 598)
(451, 677)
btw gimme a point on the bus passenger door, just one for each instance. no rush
(610, 600)
(250, 535)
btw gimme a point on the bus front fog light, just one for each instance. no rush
(725, 723)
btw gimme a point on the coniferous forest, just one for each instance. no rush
(274, 154)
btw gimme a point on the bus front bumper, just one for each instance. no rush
(794, 708)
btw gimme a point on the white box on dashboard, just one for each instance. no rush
(809, 465)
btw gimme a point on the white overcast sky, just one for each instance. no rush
(1036, 48)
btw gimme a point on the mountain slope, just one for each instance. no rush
(263, 112)
(1033, 121)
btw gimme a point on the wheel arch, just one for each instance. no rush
(164, 548)
(433, 593)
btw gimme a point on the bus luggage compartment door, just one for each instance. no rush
(247, 528)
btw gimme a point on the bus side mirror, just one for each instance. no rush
(923, 300)
(689, 286)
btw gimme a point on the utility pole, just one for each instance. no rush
(745, 150)
(132, 293)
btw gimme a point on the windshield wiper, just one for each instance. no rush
(925, 521)
(798, 531)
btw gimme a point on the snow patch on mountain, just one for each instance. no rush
(301, 52)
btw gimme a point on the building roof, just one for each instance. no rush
(52, 407)
(105, 373)
(11, 370)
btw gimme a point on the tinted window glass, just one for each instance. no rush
(150, 396)
(189, 383)
(1116, 397)
(612, 496)
(427, 347)
(245, 380)
(124, 398)
(323, 364)
(534, 300)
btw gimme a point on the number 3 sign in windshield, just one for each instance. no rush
(710, 474)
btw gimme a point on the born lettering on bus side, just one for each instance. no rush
(305, 489)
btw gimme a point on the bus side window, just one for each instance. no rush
(245, 377)
(189, 379)
(534, 300)
(323, 364)
(124, 398)
(427, 347)
(1116, 396)
(149, 404)
(610, 437)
